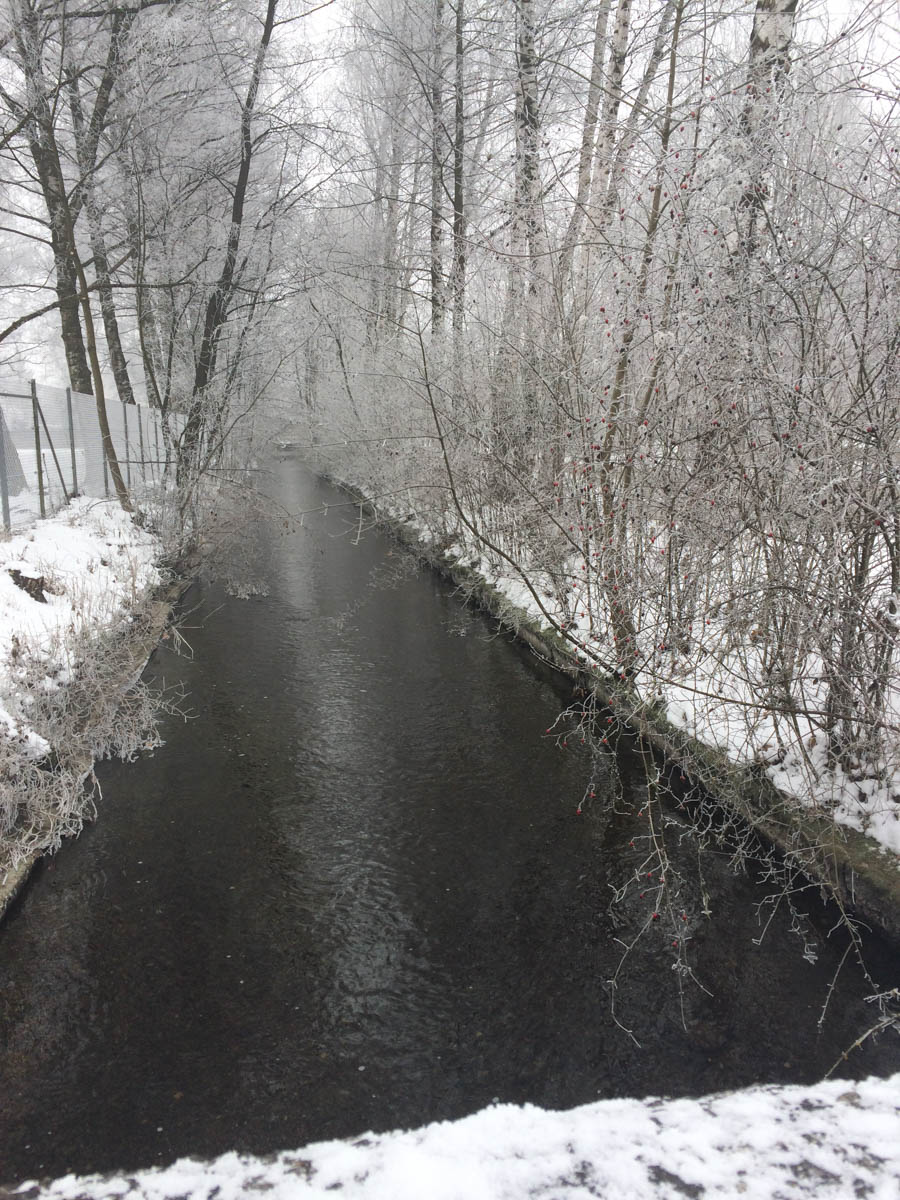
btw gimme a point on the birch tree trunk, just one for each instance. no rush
(586, 151)
(438, 151)
(606, 139)
(770, 43)
(458, 270)
(528, 257)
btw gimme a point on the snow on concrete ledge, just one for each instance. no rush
(834, 1139)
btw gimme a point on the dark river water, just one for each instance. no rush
(354, 892)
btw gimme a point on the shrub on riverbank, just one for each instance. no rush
(75, 602)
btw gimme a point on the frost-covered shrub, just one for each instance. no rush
(73, 701)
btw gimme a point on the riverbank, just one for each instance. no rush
(860, 872)
(82, 605)
(835, 1139)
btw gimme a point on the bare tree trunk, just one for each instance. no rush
(458, 270)
(438, 144)
(152, 358)
(530, 266)
(406, 244)
(100, 400)
(219, 301)
(527, 199)
(390, 264)
(513, 383)
(63, 210)
(86, 148)
(770, 43)
(618, 51)
(586, 153)
(616, 499)
(117, 360)
(377, 250)
(46, 161)
(109, 449)
(661, 44)
(70, 321)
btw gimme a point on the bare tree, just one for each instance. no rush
(222, 294)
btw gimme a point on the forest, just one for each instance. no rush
(601, 297)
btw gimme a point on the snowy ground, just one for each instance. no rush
(89, 565)
(69, 586)
(832, 1140)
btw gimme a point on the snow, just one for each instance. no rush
(832, 1139)
(866, 805)
(95, 563)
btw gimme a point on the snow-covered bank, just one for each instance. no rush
(89, 565)
(833, 1139)
(66, 585)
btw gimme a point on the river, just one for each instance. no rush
(354, 891)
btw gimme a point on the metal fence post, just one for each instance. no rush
(141, 443)
(72, 441)
(37, 446)
(4, 480)
(127, 447)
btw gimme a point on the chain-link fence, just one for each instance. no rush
(51, 449)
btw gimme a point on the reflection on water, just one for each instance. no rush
(354, 892)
